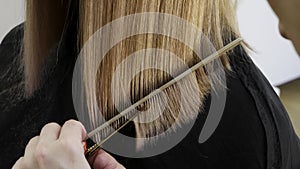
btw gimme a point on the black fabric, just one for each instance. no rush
(238, 142)
(254, 133)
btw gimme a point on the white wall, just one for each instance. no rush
(11, 14)
(274, 55)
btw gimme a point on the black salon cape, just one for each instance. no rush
(255, 131)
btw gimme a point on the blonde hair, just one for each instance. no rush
(214, 18)
(43, 27)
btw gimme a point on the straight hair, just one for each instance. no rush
(214, 18)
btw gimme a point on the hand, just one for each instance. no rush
(103, 160)
(62, 147)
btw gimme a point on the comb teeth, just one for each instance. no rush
(114, 126)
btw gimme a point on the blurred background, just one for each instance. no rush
(274, 55)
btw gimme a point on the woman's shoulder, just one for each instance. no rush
(11, 75)
(11, 45)
(15, 35)
(281, 138)
(10, 58)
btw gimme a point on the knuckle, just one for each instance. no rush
(72, 123)
(33, 140)
(31, 144)
(51, 125)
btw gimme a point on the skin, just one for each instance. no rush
(289, 19)
(62, 147)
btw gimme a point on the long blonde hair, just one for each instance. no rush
(214, 18)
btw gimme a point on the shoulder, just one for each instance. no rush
(11, 75)
(14, 36)
(10, 57)
(10, 47)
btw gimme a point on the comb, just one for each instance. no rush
(115, 124)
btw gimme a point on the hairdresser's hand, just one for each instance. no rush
(61, 147)
(103, 160)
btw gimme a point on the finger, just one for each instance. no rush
(91, 159)
(29, 156)
(73, 130)
(50, 132)
(104, 161)
(31, 146)
(19, 164)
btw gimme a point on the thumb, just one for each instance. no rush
(104, 161)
